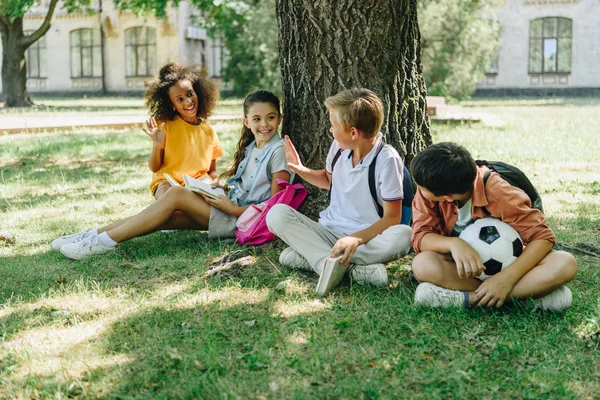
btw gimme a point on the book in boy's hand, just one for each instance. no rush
(201, 186)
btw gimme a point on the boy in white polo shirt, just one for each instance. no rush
(350, 235)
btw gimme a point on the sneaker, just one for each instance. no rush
(429, 295)
(374, 274)
(85, 248)
(76, 237)
(331, 276)
(559, 300)
(291, 259)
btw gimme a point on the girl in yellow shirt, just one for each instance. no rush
(180, 100)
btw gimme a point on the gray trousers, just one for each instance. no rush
(314, 242)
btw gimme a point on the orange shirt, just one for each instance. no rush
(189, 149)
(502, 200)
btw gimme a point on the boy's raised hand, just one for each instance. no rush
(291, 155)
(468, 262)
(155, 132)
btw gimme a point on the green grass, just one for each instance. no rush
(145, 322)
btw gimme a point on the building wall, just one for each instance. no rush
(172, 44)
(513, 61)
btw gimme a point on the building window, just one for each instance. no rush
(218, 58)
(492, 68)
(550, 41)
(86, 53)
(140, 51)
(35, 58)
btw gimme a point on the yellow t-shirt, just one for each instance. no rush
(188, 149)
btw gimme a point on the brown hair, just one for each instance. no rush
(358, 108)
(259, 96)
(157, 94)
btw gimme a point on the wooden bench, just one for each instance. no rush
(433, 103)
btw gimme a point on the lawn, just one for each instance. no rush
(146, 322)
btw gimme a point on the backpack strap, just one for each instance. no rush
(335, 159)
(486, 176)
(372, 186)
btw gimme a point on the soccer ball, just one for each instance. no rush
(497, 243)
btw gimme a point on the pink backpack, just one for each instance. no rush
(251, 226)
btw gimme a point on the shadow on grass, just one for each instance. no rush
(235, 336)
(362, 344)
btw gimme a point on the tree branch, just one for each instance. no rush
(41, 31)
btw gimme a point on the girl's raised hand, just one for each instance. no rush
(291, 155)
(155, 132)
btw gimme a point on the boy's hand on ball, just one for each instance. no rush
(345, 246)
(468, 262)
(492, 292)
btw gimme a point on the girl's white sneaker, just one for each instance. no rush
(84, 248)
(76, 237)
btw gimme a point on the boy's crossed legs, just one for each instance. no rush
(544, 282)
(312, 243)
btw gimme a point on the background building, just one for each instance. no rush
(546, 46)
(114, 51)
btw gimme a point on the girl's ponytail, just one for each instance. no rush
(245, 140)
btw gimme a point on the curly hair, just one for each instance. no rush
(157, 94)
(259, 96)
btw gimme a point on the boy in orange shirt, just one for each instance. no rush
(451, 194)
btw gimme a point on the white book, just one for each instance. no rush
(201, 186)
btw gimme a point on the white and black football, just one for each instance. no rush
(497, 243)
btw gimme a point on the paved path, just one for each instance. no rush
(31, 123)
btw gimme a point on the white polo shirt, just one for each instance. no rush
(352, 208)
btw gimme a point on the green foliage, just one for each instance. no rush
(146, 7)
(253, 61)
(13, 9)
(249, 31)
(459, 39)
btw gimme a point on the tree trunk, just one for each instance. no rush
(329, 46)
(14, 67)
(14, 45)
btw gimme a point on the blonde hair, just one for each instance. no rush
(359, 108)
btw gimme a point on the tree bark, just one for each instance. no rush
(14, 66)
(326, 46)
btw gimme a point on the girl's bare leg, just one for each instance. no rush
(165, 213)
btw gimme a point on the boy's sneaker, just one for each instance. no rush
(76, 237)
(331, 275)
(374, 274)
(429, 295)
(291, 259)
(85, 248)
(559, 300)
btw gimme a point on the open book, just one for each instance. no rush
(201, 186)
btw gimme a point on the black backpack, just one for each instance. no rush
(515, 177)
(407, 187)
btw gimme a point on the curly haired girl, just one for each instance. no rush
(180, 100)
